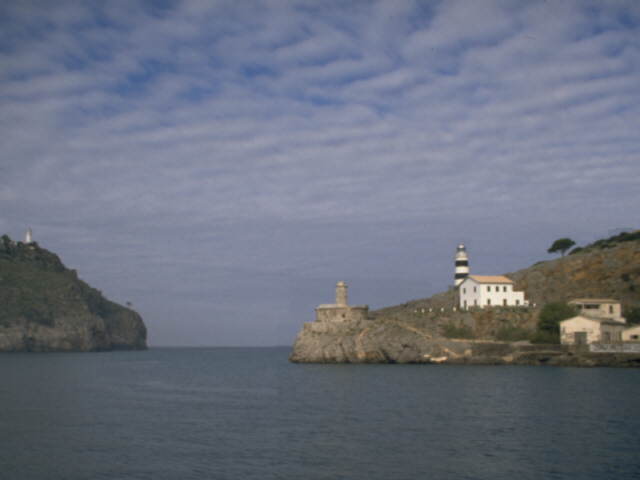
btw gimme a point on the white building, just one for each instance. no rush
(487, 291)
(631, 334)
(583, 330)
(598, 307)
(599, 320)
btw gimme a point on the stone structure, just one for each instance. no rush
(462, 265)
(28, 238)
(599, 321)
(583, 330)
(598, 307)
(341, 311)
(631, 334)
(489, 291)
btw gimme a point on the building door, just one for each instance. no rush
(580, 338)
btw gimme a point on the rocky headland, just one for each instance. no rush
(45, 307)
(417, 331)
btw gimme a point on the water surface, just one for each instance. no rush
(231, 413)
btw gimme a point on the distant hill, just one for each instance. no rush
(608, 268)
(412, 331)
(605, 269)
(45, 307)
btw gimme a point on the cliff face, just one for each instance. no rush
(414, 331)
(45, 307)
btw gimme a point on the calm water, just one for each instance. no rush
(249, 414)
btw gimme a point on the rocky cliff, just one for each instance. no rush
(45, 307)
(415, 332)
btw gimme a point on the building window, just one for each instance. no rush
(505, 289)
(464, 290)
(475, 303)
(610, 308)
(517, 302)
(606, 336)
(488, 288)
(474, 289)
(488, 301)
(504, 302)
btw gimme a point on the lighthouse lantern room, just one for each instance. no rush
(462, 264)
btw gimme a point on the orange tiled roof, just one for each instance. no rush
(491, 279)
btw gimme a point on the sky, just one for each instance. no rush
(222, 165)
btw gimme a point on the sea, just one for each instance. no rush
(248, 413)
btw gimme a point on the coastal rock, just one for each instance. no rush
(44, 307)
(413, 332)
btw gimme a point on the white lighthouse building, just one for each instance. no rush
(462, 265)
(28, 236)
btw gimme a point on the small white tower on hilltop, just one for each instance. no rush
(462, 264)
(28, 238)
(341, 294)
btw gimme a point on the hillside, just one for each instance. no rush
(415, 331)
(608, 268)
(45, 307)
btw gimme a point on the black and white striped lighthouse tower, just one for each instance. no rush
(462, 264)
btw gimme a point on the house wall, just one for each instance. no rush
(470, 292)
(604, 309)
(631, 334)
(596, 331)
(488, 294)
(568, 328)
(611, 333)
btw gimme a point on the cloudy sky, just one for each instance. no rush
(221, 165)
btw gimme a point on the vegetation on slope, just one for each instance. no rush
(607, 268)
(36, 287)
(608, 242)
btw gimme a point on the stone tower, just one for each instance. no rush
(341, 311)
(341, 294)
(462, 264)
(28, 238)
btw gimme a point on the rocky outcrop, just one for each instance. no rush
(44, 307)
(414, 331)
(76, 334)
(383, 342)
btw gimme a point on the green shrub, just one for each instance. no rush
(548, 328)
(509, 333)
(632, 314)
(545, 337)
(552, 314)
(464, 332)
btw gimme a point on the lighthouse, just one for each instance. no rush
(462, 264)
(29, 236)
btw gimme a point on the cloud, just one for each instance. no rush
(195, 146)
